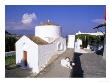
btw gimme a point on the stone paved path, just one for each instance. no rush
(89, 65)
(55, 70)
(17, 73)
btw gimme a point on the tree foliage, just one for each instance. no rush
(10, 43)
(92, 40)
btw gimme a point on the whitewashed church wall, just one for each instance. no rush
(48, 31)
(32, 53)
(45, 53)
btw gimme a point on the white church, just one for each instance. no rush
(36, 52)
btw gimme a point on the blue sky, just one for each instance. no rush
(22, 19)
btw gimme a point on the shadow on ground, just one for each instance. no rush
(100, 52)
(77, 71)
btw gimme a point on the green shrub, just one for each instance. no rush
(10, 43)
(9, 60)
(90, 39)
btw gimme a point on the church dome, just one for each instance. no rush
(48, 22)
(48, 31)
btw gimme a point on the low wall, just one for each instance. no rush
(11, 53)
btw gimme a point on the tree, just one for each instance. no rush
(10, 43)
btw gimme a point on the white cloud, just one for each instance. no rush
(28, 18)
(12, 25)
(99, 21)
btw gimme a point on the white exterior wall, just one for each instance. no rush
(71, 41)
(48, 32)
(46, 52)
(32, 53)
(38, 56)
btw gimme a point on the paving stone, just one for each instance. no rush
(91, 65)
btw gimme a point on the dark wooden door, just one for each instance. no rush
(25, 57)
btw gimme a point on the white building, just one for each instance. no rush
(71, 41)
(96, 33)
(36, 52)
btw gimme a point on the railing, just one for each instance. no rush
(11, 53)
(10, 58)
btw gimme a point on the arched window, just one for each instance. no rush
(60, 46)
